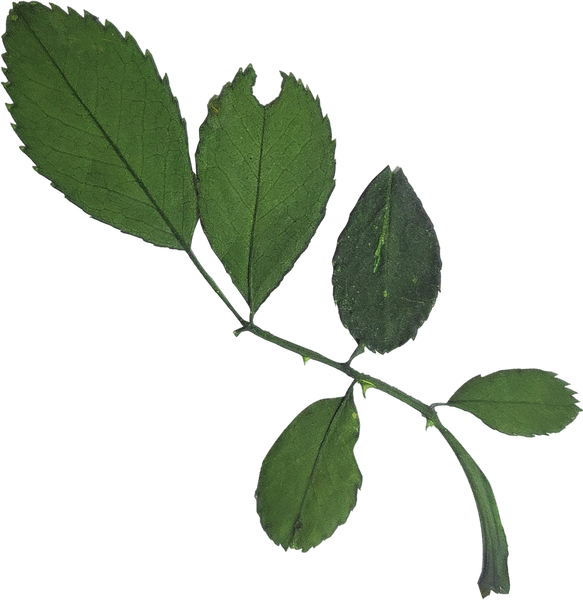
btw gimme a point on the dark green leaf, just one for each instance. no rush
(387, 268)
(264, 175)
(309, 479)
(99, 123)
(519, 401)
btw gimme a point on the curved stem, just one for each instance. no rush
(494, 577)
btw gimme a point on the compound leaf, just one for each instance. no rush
(387, 266)
(524, 402)
(309, 479)
(264, 176)
(99, 122)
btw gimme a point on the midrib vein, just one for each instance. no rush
(384, 235)
(113, 145)
(316, 461)
(254, 221)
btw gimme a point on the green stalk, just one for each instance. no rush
(494, 576)
(213, 284)
(301, 350)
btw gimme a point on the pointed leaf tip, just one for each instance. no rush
(387, 265)
(79, 91)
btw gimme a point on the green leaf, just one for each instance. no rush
(387, 265)
(309, 479)
(519, 401)
(99, 123)
(264, 175)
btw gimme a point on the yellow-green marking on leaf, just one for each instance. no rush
(388, 230)
(385, 228)
(377, 254)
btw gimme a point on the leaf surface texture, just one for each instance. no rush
(387, 265)
(524, 402)
(264, 176)
(309, 479)
(99, 122)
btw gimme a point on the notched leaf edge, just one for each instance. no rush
(249, 77)
(315, 97)
(127, 38)
(561, 380)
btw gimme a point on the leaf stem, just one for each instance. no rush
(494, 577)
(214, 286)
(300, 349)
(359, 346)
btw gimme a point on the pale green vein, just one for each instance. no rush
(385, 229)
